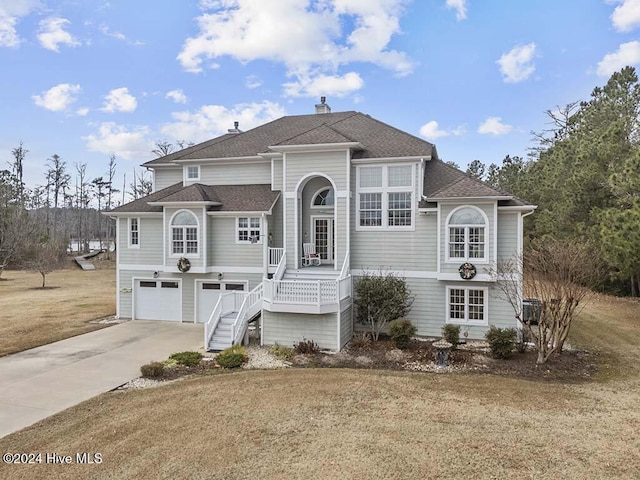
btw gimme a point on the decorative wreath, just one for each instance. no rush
(184, 264)
(467, 271)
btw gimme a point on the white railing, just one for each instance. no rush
(344, 287)
(281, 267)
(275, 255)
(250, 306)
(344, 271)
(227, 303)
(306, 292)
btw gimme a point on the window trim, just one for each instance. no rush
(187, 178)
(130, 243)
(447, 235)
(315, 195)
(466, 321)
(385, 190)
(184, 237)
(237, 231)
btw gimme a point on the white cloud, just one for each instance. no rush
(494, 126)
(82, 112)
(627, 54)
(129, 144)
(110, 33)
(10, 12)
(119, 100)
(431, 131)
(460, 6)
(177, 96)
(517, 64)
(252, 82)
(52, 34)
(57, 98)
(626, 16)
(305, 38)
(332, 85)
(212, 120)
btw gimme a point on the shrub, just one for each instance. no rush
(152, 370)
(501, 341)
(306, 346)
(451, 334)
(232, 357)
(361, 340)
(401, 331)
(188, 359)
(283, 353)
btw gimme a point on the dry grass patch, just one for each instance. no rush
(339, 424)
(31, 316)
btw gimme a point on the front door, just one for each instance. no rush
(323, 238)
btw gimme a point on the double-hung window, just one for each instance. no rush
(248, 230)
(134, 233)
(193, 172)
(184, 234)
(467, 305)
(466, 235)
(385, 197)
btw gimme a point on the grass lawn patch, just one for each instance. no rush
(31, 316)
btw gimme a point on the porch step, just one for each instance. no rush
(221, 337)
(311, 273)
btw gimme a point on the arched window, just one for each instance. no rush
(467, 234)
(184, 234)
(324, 198)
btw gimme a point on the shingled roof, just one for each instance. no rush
(444, 181)
(223, 198)
(378, 139)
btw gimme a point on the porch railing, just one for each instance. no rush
(227, 303)
(275, 255)
(250, 306)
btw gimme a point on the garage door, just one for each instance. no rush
(208, 295)
(157, 300)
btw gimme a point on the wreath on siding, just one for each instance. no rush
(184, 264)
(467, 271)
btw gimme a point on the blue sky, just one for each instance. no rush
(84, 79)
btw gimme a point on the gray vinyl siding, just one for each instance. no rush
(290, 328)
(331, 164)
(195, 260)
(452, 266)
(346, 326)
(223, 250)
(507, 235)
(275, 224)
(150, 249)
(277, 174)
(290, 234)
(240, 174)
(164, 177)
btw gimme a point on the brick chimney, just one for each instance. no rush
(322, 107)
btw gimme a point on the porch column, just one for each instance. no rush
(265, 245)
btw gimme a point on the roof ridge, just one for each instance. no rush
(475, 179)
(393, 128)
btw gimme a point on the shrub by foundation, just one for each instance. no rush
(232, 357)
(152, 370)
(282, 352)
(188, 359)
(451, 333)
(401, 331)
(501, 341)
(306, 346)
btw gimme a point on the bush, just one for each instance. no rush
(152, 370)
(401, 331)
(306, 346)
(188, 359)
(361, 340)
(283, 353)
(451, 334)
(232, 357)
(501, 341)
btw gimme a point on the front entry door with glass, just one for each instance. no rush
(323, 238)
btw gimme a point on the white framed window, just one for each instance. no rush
(184, 234)
(467, 229)
(467, 305)
(193, 172)
(134, 233)
(323, 198)
(248, 228)
(386, 197)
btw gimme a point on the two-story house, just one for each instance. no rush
(231, 226)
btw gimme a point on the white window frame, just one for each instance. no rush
(249, 230)
(184, 236)
(385, 190)
(130, 232)
(466, 321)
(315, 195)
(447, 233)
(186, 173)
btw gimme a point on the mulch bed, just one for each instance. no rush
(474, 357)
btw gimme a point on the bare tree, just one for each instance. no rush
(45, 257)
(111, 176)
(560, 275)
(58, 181)
(19, 153)
(164, 148)
(142, 184)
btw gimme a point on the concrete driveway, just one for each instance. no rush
(37, 383)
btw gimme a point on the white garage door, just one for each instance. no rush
(208, 294)
(157, 300)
